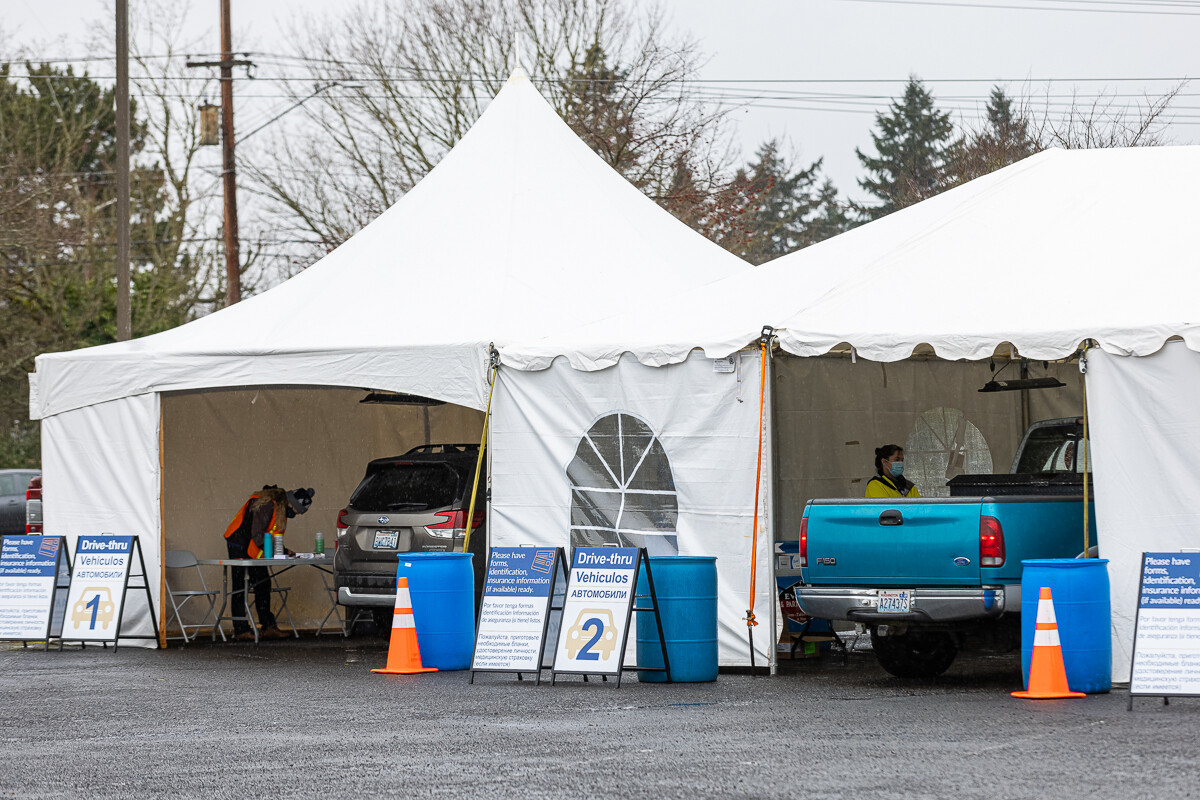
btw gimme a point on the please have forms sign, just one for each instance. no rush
(1166, 647)
(515, 611)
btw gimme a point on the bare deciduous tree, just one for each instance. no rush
(393, 86)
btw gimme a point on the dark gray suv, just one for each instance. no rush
(412, 503)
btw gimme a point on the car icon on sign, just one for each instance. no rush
(593, 635)
(100, 603)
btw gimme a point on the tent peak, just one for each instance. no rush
(518, 74)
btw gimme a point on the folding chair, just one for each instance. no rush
(178, 561)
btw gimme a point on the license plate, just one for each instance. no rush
(386, 540)
(894, 602)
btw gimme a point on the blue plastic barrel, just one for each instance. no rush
(442, 588)
(1079, 590)
(686, 589)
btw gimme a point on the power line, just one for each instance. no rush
(950, 4)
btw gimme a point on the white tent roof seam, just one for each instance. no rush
(1061, 247)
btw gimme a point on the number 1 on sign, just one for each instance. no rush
(94, 605)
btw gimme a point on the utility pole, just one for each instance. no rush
(124, 316)
(233, 272)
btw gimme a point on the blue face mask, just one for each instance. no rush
(897, 469)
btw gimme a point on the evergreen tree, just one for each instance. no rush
(1004, 139)
(58, 235)
(784, 210)
(913, 142)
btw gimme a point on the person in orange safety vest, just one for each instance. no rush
(266, 513)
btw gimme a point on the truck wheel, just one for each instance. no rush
(916, 654)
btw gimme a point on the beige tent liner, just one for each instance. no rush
(219, 446)
(830, 413)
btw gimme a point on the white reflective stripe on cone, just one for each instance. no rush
(402, 598)
(405, 621)
(1046, 638)
(1046, 612)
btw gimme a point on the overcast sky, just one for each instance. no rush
(811, 49)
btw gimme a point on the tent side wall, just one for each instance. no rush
(1146, 438)
(101, 474)
(684, 449)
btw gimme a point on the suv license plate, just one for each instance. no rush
(386, 540)
(894, 602)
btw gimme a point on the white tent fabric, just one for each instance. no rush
(1062, 246)
(677, 476)
(520, 230)
(111, 485)
(1146, 437)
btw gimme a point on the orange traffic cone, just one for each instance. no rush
(404, 656)
(1047, 675)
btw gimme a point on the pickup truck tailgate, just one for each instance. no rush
(893, 542)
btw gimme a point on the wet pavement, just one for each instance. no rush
(308, 719)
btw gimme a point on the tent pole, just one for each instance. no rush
(1087, 446)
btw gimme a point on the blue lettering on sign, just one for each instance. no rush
(605, 557)
(1170, 580)
(586, 653)
(519, 571)
(104, 543)
(94, 605)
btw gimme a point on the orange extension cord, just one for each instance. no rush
(751, 622)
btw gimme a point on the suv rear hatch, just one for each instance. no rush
(397, 497)
(892, 542)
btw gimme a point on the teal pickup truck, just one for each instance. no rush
(929, 576)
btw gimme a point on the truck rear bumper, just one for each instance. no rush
(932, 604)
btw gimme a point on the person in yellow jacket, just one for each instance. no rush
(264, 514)
(889, 480)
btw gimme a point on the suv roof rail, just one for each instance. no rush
(443, 448)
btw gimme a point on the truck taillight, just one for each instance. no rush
(34, 492)
(991, 542)
(804, 541)
(341, 522)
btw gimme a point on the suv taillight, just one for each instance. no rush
(804, 541)
(33, 506)
(991, 542)
(455, 525)
(341, 521)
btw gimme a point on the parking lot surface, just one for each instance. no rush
(308, 719)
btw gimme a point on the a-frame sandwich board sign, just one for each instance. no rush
(520, 611)
(598, 609)
(100, 584)
(1165, 642)
(34, 575)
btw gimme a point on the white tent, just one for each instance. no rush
(520, 230)
(1039, 256)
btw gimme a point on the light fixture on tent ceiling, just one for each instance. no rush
(1017, 384)
(399, 399)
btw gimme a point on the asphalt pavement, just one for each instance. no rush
(308, 719)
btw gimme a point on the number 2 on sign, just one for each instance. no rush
(586, 653)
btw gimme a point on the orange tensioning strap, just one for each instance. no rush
(762, 393)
